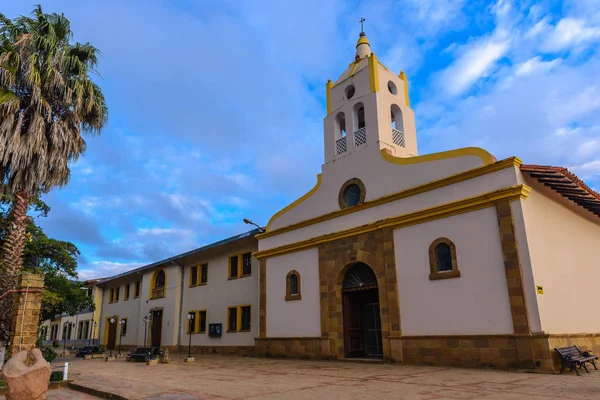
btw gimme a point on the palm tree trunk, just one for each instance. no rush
(12, 260)
(12, 252)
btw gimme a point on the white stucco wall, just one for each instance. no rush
(129, 309)
(563, 245)
(476, 302)
(526, 268)
(218, 294)
(327, 197)
(169, 305)
(296, 318)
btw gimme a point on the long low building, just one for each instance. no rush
(175, 302)
(76, 330)
(167, 303)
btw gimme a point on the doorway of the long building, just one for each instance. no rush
(156, 329)
(362, 319)
(112, 334)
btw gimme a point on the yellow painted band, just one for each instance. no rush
(362, 40)
(295, 203)
(485, 156)
(405, 79)
(470, 204)
(328, 87)
(373, 73)
(488, 168)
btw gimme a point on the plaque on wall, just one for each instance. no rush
(214, 330)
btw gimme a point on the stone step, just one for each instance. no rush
(362, 360)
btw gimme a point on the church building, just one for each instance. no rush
(452, 258)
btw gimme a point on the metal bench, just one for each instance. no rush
(572, 357)
(144, 354)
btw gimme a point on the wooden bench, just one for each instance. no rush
(572, 357)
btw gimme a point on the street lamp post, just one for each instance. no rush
(147, 318)
(250, 222)
(122, 323)
(94, 325)
(65, 339)
(190, 318)
(112, 321)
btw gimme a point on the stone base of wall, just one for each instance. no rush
(585, 341)
(489, 351)
(244, 351)
(308, 348)
(527, 352)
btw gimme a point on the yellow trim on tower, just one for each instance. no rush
(469, 204)
(405, 79)
(373, 73)
(486, 157)
(363, 40)
(328, 87)
(439, 183)
(295, 203)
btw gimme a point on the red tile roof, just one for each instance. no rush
(567, 184)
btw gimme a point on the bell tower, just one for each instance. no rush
(368, 107)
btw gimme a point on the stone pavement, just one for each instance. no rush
(65, 394)
(223, 377)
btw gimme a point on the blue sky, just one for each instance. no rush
(216, 108)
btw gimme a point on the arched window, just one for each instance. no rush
(359, 116)
(359, 276)
(397, 125)
(158, 283)
(442, 259)
(341, 144)
(340, 125)
(160, 279)
(292, 286)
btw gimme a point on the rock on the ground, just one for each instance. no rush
(26, 382)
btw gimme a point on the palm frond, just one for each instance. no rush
(47, 100)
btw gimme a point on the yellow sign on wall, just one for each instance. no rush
(540, 289)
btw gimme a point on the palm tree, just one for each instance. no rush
(47, 100)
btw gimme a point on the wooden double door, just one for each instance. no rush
(112, 335)
(156, 328)
(362, 323)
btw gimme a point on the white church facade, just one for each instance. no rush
(452, 258)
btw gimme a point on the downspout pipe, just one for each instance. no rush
(180, 306)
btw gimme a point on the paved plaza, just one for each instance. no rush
(221, 377)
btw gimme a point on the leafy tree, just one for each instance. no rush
(56, 259)
(47, 100)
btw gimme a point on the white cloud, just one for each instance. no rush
(538, 29)
(476, 61)
(163, 231)
(570, 32)
(104, 269)
(535, 64)
(580, 103)
(587, 148)
(566, 131)
(434, 15)
(587, 170)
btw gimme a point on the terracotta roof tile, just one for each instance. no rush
(567, 184)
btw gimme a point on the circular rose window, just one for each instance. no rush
(352, 193)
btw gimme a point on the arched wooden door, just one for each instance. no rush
(362, 318)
